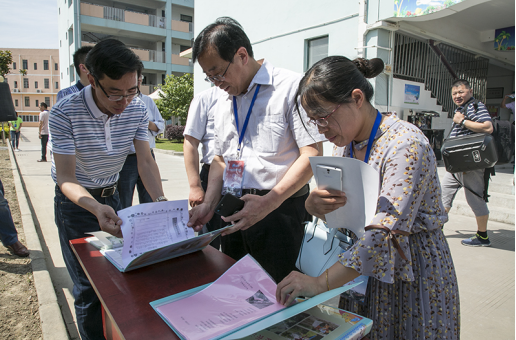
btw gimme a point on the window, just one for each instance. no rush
(25, 64)
(45, 65)
(35, 84)
(47, 101)
(316, 49)
(14, 65)
(35, 66)
(37, 103)
(56, 67)
(57, 85)
(25, 83)
(15, 84)
(187, 18)
(16, 102)
(47, 83)
(27, 101)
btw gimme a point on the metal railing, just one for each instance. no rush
(414, 60)
(118, 14)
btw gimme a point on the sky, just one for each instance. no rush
(28, 24)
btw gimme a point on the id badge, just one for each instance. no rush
(233, 177)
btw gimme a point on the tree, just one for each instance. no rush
(5, 60)
(176, 97)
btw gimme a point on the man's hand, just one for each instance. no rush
(109, 220)
(322, 202)
(458, 117)
(196, 196)
(40, 136)
(255, 209)
(199, 216)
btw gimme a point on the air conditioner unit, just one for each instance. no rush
(38, 91)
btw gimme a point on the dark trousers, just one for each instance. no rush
(44, 141)
(274, 241)
(72, 222)
(15, 139)
(129, 179)
(8, 233)
(216, 222)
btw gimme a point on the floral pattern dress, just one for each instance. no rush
(416, 298)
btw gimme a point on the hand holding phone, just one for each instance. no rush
(229, 205)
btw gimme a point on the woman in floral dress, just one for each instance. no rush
(412, 289)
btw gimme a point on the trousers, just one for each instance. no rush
(73, 222)
(129, 179)
(8, 233)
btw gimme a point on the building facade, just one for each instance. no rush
(33, 78)
(424, 45)
(156, 30)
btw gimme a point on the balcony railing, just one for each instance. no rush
(176, 59)
(182, 26)
(118, 14)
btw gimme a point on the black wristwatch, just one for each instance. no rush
(462, 123)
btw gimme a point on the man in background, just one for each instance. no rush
(199, 129)
(15, 126)
(129, 176)
(79, 58)
(43, 130)
(8, 233)
(468, 119)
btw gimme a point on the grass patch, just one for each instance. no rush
(165, 144)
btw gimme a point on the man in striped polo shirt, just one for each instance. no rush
(469, 118)
(92, 133)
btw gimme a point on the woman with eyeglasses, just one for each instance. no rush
(412, 288)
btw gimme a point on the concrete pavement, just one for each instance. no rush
(486, 275)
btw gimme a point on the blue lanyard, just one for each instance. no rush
(235, 111)
(371, 137)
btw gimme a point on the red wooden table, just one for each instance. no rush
(125, 297)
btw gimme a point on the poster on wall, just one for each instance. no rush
(412, 94)
(415, 8)
(504, 39)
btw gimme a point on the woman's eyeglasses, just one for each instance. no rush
(323, 121)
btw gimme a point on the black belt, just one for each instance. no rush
(103, 192)
(131, 154)
(303, 191)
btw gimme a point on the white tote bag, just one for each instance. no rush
(320, 248)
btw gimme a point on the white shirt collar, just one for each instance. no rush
(263, 76)
(90, 102)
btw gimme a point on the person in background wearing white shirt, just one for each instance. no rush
(129, 176)
(199, 129)
(262, 139)
(43, 131)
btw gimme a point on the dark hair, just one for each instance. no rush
(460, 82)
(112, 58)
(225, 35)
(79, 57)
(44, 105)
(332, 79)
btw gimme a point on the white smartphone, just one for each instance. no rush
(329, 177)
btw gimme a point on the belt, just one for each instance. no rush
(131, 154)
(103, 192)
(206, 167)
(303, 191)
(390, 236)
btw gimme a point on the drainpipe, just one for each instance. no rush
(362, 26)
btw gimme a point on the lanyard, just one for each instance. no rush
(371, 137)
(235, 111)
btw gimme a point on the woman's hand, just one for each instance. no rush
(322, 202)
(297, 284)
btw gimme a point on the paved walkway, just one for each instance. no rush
(486, 275)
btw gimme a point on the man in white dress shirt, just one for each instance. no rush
(257, 128)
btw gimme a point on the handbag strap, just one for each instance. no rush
(390, 236)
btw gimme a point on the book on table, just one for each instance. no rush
(242, 304)
(153, 232)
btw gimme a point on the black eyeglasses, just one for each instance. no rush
(217, 78)
(323, 121)
(118, 97)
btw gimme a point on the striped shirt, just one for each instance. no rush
(480, 115)
(100, 144)
(69, 90)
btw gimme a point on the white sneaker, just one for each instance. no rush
(17, 150)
